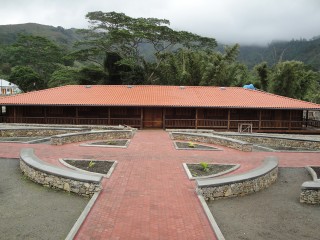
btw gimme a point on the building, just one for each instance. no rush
(8, 88)
(219, 108)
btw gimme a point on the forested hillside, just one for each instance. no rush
(65, 37)
(307, 51)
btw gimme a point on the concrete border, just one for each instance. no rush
(312, 173)
(108, 175)
(211, 219)
(235, 167)
(74, 230)
(106, 146)
(212, 139)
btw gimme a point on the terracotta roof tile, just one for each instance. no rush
(189, 96)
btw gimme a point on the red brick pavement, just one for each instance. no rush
(149, 195)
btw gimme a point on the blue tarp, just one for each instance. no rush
(249, 86)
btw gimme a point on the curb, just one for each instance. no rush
(211, 219)
(74, 230)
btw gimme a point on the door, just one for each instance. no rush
(152, 118)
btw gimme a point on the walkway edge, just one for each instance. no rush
(211, 219)
(82, 216)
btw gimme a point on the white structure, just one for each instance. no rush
(8, 88)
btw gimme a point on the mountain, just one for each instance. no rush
(307, 51)
(64, 37)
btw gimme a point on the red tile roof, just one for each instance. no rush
(158, 96)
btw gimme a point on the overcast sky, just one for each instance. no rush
(229, 21)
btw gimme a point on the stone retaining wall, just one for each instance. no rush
(58, 178)
(310, 196)
(275, 141)
(213, 139)
(33, 132)
(310, 190)
(93, 135)
(239, 185)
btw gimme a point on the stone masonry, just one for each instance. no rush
(86, 189)
(93, 135)
(239, 188)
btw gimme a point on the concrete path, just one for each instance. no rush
(149, 195)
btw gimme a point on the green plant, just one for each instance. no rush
(205, 166)
(91, 164)
(191, 145)
(111, 142)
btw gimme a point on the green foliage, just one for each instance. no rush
(191, 145)
(292, 79)
(64, 76)
(92, 75)
(125, 36)
(205, 166)
(91, 164)
(26, 78)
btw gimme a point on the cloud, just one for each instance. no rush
(229, 21)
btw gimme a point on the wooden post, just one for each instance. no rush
(14, 114)
(229, 119)
(77, 115)
(196, 118)
(260, 118)
(141, 118)
(109, 116)
(164, 119)
(45, 115)
(307, 118)
(290, 119)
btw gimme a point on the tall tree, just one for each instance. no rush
(292, 79)
(38, 53)
(263, 73)
(125, 36)
(26, 78)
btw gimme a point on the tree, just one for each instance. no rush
(292, 79)
(26, 78)
(117, 33)
(64, 76)
(263, 73)
(38, 53)
(92, 75)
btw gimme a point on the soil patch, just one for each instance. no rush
(31, 211)
(197, 170)
(193, 146)
(317, 171)
(274, 213)
(102, 167)
(111, 143)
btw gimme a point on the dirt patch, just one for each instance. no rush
(102, 167)
(193, 146)
(30, 211)
(197, 170)
(111, 143)
(274, 213)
